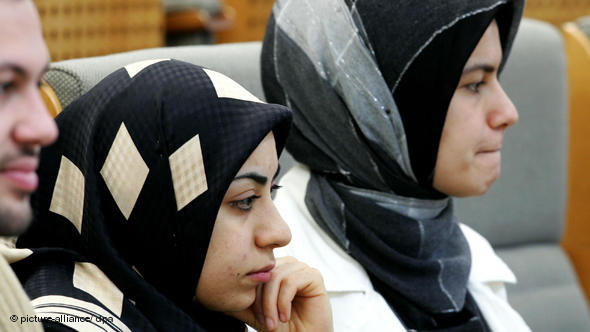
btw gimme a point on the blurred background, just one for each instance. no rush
(83, 28)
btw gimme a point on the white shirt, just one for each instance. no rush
(356, 306)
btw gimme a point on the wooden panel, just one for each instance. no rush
(557, 11)
(74, 29)
(250, 21)
(576, 240)
(185, 21)
(191, 20)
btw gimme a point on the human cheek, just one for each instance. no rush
(7, 123)
(236, 246)
(469, 132)
(235, 257)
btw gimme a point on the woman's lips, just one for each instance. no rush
(489, 158)
(488, 153)
(263, 275)
(490, 145)
(21, 173)
(490, 148)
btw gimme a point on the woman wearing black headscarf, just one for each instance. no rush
(154, 211)
(397, 107)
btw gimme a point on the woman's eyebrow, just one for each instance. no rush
(258, 178)
(479, 66)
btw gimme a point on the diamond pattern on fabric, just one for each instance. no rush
(68, 194)
(228, 88)
(89, 278)
(124, 171)
(188, 172)
(11, 253)
(134, 68)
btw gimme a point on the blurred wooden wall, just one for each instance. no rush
(576, 240)
(82, 28)
(250, 21)
(556, 11)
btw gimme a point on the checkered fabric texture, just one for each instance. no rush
(66, 84)
(188, 172)
(68, 193)
(136, 141)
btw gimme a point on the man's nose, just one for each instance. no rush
(35, 125)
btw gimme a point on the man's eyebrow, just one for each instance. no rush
(258, 178)
(20, 70)
(13, 67)
(479, 66)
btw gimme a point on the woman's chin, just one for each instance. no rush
(236, 302)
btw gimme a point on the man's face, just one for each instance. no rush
(25, 124)
(468, 159)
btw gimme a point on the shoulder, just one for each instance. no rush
(486, 265)
(65, 313)
(356, 306)
(13, 302)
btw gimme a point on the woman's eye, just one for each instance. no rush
(474, 87)
(246, 203)
(273, 190)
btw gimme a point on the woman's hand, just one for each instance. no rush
(294, 299)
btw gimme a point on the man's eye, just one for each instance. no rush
(7, 87)
(474, 87)
(246, 203)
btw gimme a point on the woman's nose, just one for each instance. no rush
(503, 112)
(273, 231)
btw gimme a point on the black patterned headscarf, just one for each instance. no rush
(130, 192)
(370, 83)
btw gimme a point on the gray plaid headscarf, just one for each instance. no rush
(338, 64)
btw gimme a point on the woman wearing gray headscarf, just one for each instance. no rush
(397, 107)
